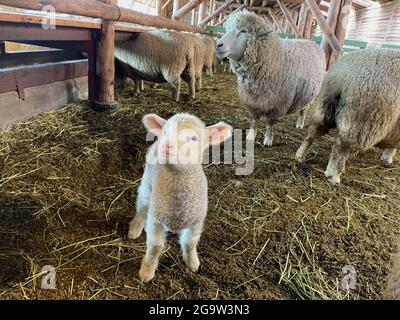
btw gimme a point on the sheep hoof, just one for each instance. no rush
(299, 156)
(193, 264)
(268, 142)
(145, 274)
(334, 180)
(135, 229)
(386, 159)
(299, 125)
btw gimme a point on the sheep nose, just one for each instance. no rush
(219, 44)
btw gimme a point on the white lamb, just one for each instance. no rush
(173, 193)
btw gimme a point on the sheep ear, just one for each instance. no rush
(218, 133)
(153, 123)
(263, 33)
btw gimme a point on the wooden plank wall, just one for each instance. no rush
(379, 24)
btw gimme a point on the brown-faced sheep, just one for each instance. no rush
(157, 56)
(172, 195)
(360, 96)
(275, 77)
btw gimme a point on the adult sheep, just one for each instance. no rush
(157, 56)
(360, 96)
(275, 77)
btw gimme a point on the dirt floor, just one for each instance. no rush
(68, 181)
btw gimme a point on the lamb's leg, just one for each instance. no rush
(269, 133)
(141, 85)
(155, 245)
(253, 131)
(199, 82)
(188, 240)
(314, 131)
(137, 224)
(192, 87)
(388, 155)
(301, 118)
(337, 162)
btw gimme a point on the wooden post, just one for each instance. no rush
(212, 16)
(105, 98)
(159, 8)
(302, 19)
(186, 9)
(341, 29)
(332, 19)
(276, 21)
(202, 11)
(269, 22)
(309, 22)
(289, 18)
(323, 25)
(175, 6)
(226, 16)
(2, 47)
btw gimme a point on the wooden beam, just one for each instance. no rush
(324, 25)
(332, 19)
(226, 17)
(309, 22)
(96, 9)
(33, 76)
(159, 8)
(302, 19)
(186, 9)
(105, 64)
(289, 18)
(165, 5)
(216, 13)
(268, 21)
(2, 47)
(341, 29)
(276, 21)
(202, 11)
(175, 6)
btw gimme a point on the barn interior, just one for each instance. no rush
(72, 150)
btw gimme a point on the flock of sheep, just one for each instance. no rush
(360, 96)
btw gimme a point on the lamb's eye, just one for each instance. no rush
(194, 138)
(242, 32)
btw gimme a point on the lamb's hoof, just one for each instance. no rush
(299, 157)
(386, 159)
(146, 275)
(193, 264)
(135, 230)
(268, 142)
(299, 125)
(334, 180)
(250, 136)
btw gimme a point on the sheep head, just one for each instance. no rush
(183, 138)
(240, 28)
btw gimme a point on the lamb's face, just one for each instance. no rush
(183, 138)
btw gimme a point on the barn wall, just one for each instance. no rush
(378, 24)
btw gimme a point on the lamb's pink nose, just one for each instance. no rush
(166, 149)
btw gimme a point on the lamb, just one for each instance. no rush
(172, 195)
(360, 96)
(392, 290)
(157, 56)
(275, 77)
(211, 58)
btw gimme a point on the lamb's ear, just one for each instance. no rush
(153, 123)
(218, 133)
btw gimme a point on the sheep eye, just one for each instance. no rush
(194, 138)
(242, 32)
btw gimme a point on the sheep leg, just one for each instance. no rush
(199, 82)
(269, 133)
(189, 239)
(253, 131)
(137, 87)
(337, 162)
(155, 244)
(388, 155)
(141, 85)
(301, 118)
(176, 89)
(314, 132)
